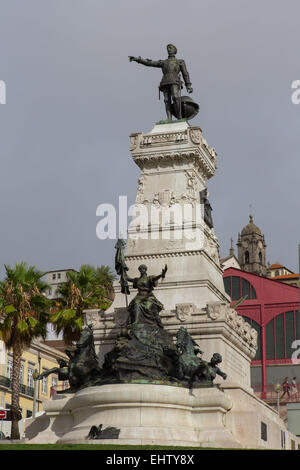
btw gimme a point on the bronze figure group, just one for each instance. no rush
(144, 350)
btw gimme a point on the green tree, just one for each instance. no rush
(24, 313)
(87, 289)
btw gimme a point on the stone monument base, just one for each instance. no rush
(145, 414)
(148, 414)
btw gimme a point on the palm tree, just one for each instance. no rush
(89, 288)
(23, 317)
(106, 278)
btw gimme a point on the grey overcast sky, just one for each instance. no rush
(73, 99)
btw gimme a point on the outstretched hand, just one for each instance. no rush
(163, 273)
(136, 59)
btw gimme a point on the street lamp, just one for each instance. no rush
(35, 376)
(278, 388)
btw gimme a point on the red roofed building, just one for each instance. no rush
(271, 307)
(278, 272)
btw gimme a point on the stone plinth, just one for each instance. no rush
(145, 415)
(162, 415)
(168, 226)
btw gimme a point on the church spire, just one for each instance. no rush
(231, 250)
(252, 248)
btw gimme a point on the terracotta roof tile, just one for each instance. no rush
(288, 276)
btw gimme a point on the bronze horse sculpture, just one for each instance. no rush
(190, 367)
(83, 366)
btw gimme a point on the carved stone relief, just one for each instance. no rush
(169, 137)
(93, 317)
(221, 311)
(195, 135)
(211, 248)
(215, 310)
(140, 190)
(134, 138)
(184, 311)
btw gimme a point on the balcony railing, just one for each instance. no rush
(24, 389)
(271, 394)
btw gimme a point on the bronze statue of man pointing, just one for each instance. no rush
(171, 84)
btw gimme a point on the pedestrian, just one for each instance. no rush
(286, 387)
(294, 388)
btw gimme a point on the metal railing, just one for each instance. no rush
(24, 389)
(271, 394)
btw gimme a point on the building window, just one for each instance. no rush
(276, 272)
(247, 257)
(263, 432)
(22, 374)
(30, 382)
(45, 385)
(53, 276)
(9, 368)
(237, 287)
(28, 413)
(58, 276)
(54, 382)
(281, 331)
(260, 258)
(65, 385)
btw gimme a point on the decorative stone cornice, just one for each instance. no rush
(218, 311)
(194, 156)
(161, 146)
(163, 255)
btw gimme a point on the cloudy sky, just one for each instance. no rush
(73, 99)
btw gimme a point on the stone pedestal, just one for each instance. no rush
(162, 415)
(168, 226)
(145, 415)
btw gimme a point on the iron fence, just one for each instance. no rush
(24, 389)
(271, 393)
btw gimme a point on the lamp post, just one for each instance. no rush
(277, 387)
(34, 375)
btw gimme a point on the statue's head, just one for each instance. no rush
(86, 336)
(143, 269)
(172, 50)
(216, 358)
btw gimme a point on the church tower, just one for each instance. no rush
(252, 249)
